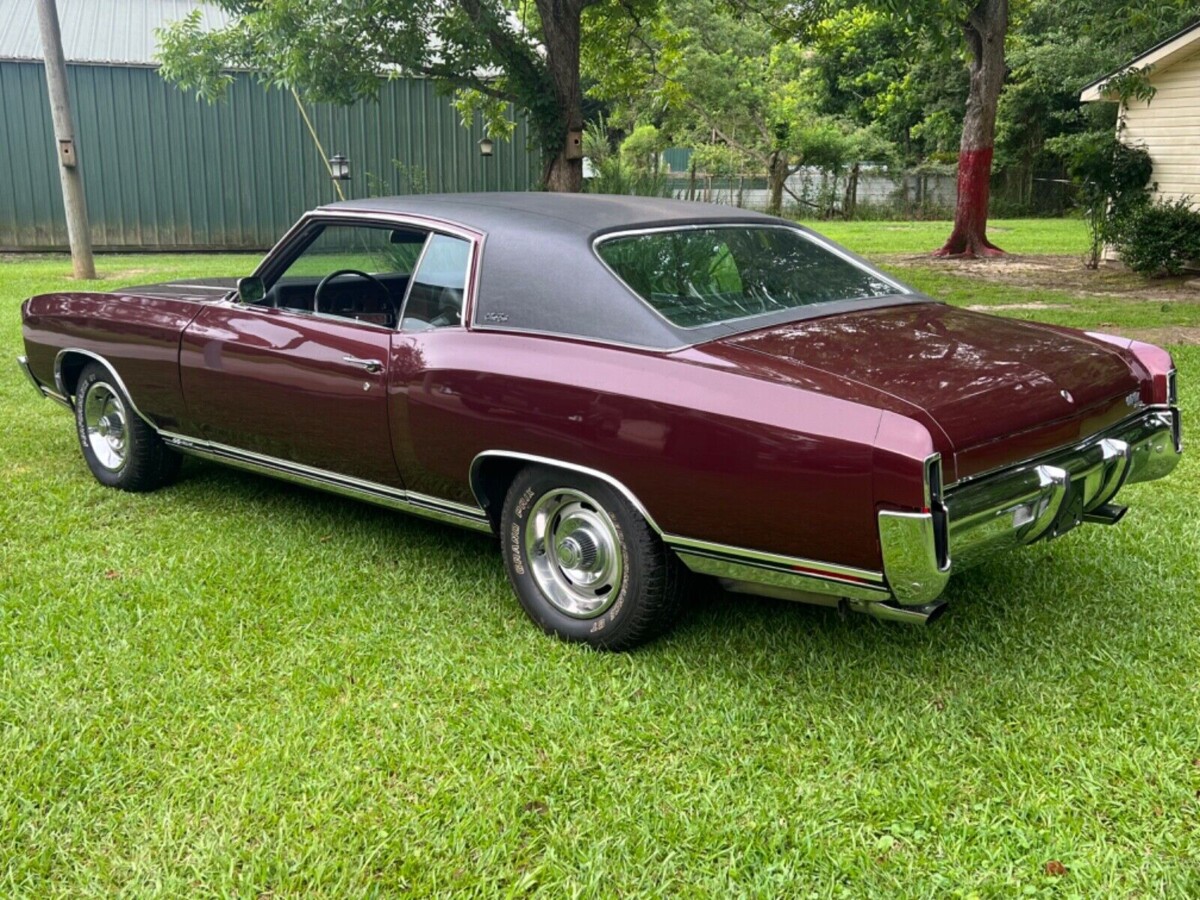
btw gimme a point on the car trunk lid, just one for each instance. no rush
(999, 389)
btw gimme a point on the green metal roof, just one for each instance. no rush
(110, 32)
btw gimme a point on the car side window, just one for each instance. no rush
(355, 271)
(435, 297)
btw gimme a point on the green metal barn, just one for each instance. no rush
(166, 171)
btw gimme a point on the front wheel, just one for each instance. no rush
(121, 450)
(584, 563)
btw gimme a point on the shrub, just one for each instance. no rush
(1112, 179)
(1157, 238)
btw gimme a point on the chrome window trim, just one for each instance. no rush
(326, 216)
(411, 278)
(468, 281)
(861, 265)
(320, 316)
(912, 298)
(578, 338)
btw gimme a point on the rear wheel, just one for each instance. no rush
(121, 450)
(585, 564)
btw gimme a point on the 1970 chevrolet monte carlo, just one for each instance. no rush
(622, 389)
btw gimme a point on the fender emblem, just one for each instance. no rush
(1134, 400)
(1066, 395)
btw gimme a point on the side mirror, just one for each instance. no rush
(251, 289)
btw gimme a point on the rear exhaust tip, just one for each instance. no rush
(1106, 514)
(926, 614)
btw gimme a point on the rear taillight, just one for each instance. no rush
(935, 506)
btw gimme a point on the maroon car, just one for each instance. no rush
(623, 390)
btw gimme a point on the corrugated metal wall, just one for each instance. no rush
(164, 170)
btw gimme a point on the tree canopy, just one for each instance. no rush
(491, 52)
(761, 86)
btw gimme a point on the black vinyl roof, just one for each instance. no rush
(584, 214)
(540, 274)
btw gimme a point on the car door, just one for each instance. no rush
(301, 377)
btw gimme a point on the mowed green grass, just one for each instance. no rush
(1065, 236)
(238, 687)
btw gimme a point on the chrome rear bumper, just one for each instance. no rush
(1039, 499)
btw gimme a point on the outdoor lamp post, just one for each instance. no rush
(339, 168)
(485, 146)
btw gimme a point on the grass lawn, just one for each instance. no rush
(235, 686)
(1067, 236)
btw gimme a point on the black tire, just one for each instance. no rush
(121, 450)
(645, 582)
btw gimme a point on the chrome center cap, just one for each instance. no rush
(576, 551)
(109, 425)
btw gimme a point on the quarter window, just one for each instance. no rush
(435, 298)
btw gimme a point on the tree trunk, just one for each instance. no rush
(985, 28)
(850, 199)
(561, 31)
(777, 173)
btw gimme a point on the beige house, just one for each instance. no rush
(1169, 125)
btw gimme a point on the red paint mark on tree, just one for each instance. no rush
(969, 237)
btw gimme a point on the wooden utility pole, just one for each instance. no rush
(78, 233)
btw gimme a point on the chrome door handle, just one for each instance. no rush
(373, 366)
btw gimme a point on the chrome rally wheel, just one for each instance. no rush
(120, 448)
(584, 562)
(104, 420)
(575, 553)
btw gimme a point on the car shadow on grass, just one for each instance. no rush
(997, 612)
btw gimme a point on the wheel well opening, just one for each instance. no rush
(490, 480)
(69, 368)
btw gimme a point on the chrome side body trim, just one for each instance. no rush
(739, 566)
(1034, 500)
(345, 485)
(793, 564)
(749, 576)
(58, 378)
(477, 490)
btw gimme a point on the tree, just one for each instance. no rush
(1055, 48)
(483, 49)
(984, 27)
(708, 73)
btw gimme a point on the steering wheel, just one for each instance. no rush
(383, 291)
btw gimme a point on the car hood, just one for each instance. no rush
(195, 289)
(980, 380)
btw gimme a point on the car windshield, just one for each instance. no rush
(701, 276)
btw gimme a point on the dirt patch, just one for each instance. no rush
(984, 307)
(1066, 274)
(1164, 335)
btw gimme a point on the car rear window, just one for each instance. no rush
(702, 276)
